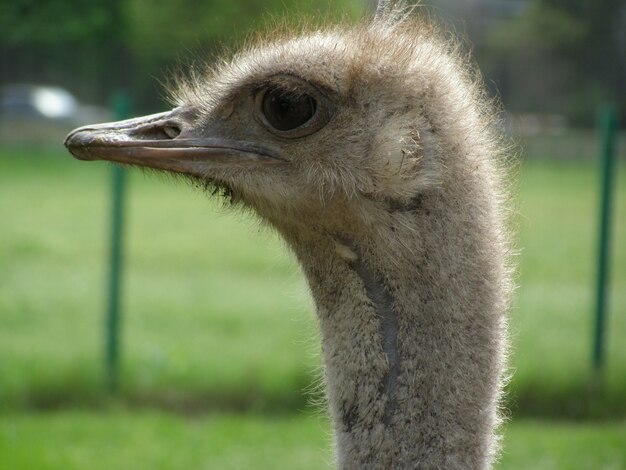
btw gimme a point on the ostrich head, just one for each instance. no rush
(372, 149)
(357, 118)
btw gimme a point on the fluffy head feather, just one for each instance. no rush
(406, 103)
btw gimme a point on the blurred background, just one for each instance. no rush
(218, 363)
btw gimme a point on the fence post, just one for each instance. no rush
(608, 129)
(121, 107)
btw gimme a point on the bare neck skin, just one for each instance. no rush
(412, 334)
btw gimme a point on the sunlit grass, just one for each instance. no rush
(130, 439)
(214, 305)
(217, 317)
(153, 440)
(553, 318)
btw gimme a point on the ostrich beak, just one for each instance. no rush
(164, 141)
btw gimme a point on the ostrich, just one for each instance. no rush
(372, 150)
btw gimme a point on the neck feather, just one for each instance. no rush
(412, 326)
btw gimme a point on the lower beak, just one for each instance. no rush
(165, 141)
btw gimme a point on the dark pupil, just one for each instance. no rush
(286, 111)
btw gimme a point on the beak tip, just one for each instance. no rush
(77, 143)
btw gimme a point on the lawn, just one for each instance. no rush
(149, 439)
(220, 355)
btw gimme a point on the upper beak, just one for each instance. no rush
(164, 141)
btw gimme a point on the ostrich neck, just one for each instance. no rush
(383, 304)
(412, 343)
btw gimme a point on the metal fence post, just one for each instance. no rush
(121, 106)
(608, 128)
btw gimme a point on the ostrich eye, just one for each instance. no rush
(286, 111)
(290, 107)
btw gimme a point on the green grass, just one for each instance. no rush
(218, 324)
(551, 323)
(213, 308)
(154, 440)
(149, 439)
(541, 445)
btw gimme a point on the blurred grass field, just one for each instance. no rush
(220, 354)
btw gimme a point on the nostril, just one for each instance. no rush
(171, 131)
(157, 131)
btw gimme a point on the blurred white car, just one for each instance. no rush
(36, 102)
(43, 114)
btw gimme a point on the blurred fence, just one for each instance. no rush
(571, 144)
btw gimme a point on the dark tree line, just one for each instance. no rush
(93, 47)
(547, 56)
(81, 45)
(561, 56)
